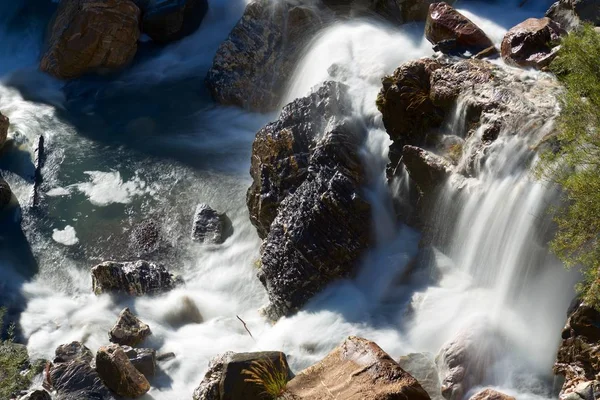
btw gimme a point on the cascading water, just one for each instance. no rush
(152, 144)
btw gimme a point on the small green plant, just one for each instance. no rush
(271, 378)
(455, 152)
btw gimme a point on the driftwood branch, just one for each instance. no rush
(245, 326)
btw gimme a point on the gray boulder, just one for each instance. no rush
(571, 13)
(422, 367)
(144, 360)
(119, 374)
(129, 330)
(132, 278)
(210, 226)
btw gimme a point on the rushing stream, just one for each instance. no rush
(151, 144)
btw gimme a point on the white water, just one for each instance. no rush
(101, 187)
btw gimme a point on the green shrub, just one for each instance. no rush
(573, 161)
(271, 378)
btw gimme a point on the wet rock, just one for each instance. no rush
(145, 238)
(571, 13)
(532, 43)
(37, 395)
(170, 20)
(490, 394)
(185, 312)
(4, 124)
(5, 194)
(165, 356)
(210, 226)
(281, 150)
(417, 10)
(389, 9)
(136, 278)
(226, 380)
(445, 23)
(129, 330)
(366, 371)
(73, 377)
(91, 36)
(251, 68)
(421, 366)
(427, 169)
(578, 358)
(119, 374)
(144, 360)
(322, 226)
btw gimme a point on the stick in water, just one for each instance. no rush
(245, 326)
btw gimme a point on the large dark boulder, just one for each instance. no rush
(73, 377)
(169, 20)
(532, 43)
(136, 278)
(144, 360)
(119, 374)
(129, 330)
(311, 174)
(5, 194)
(446, 25)
(210, 226)
(91, 36)
(356, 370)
(252, 67)
(571, 13)
(226, 379)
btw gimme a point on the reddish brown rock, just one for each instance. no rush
(490, 394)
(356, 370)
(91, 36)
(119, 374)
(129, 330)
(444, 24)
(532, 43)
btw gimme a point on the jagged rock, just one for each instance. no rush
(73, 377)
(91, 36)
(119, 374)
(129, 330)
(210, 226)
(578, 358)
(462, 361)
(144, 360)
(356, 370)
(165, 356)
(281, 150)
(251, 68)
(225, 379)
(170, 20)
(133, 278)
(37, 395)
(5, 194)
(4, 124)
(422, 367)
(445, 23)
(186, 312)
(571, 13)
(427, 169)
(532, 43)
(309, 161)
(490, 394)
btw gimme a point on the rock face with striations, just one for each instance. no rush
(225, 379)
(91, 36)
(306, 198)
(136, 278)
(578, 358)
(169, 20)
(129, 330)
(571, 13)
(119, 374)
(73, 377)
(356, 370)
(532, 43)
(252, 66)
(446, 25)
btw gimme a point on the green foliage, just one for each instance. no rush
(272, 378)
(574, 158)
(455, 152)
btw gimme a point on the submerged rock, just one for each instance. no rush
(306, 196)
(356, 370)
(185, 312)
(226, 379)
(422, 367)
(145, 238)
(136, 278)
(570, 14)
(91, 36)
(210, 226)
(490, 394)
(73, 377)
(4, 124)
(444, 23)
(129, 330)
(144, 360)
(532, 43)
(119, 374)
(251, 68)
(169, 20)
